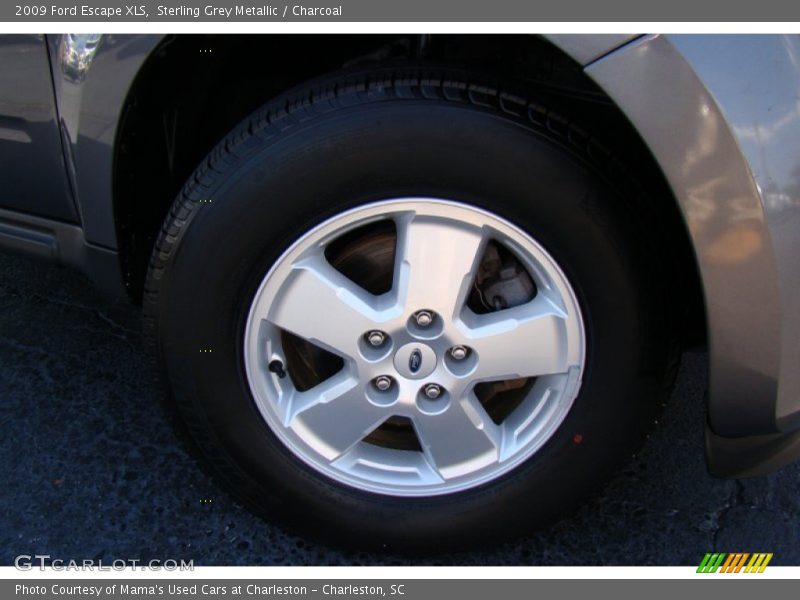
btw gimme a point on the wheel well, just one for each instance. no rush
(194, 89)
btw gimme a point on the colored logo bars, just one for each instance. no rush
(734, 562)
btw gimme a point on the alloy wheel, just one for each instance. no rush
(414, 347)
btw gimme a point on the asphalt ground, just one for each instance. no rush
(91, 469)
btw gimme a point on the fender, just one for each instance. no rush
(731, 157)
(90, 96)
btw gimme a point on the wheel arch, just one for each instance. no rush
(166, 80)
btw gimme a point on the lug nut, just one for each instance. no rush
(383, 382)
(376, 338)
(459, 352)
(424, 318)
(432, 391)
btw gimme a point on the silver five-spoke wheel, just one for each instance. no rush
(414, 347)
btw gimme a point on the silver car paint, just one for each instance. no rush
(586, 49)
(763, 110)
(695, 100)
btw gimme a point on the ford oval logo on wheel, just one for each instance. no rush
(415, 361)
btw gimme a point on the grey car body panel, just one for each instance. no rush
(697, 102)
(32, 178)
(699, 129)
(763, 112)
(752, 455)
(57, 148)
(686, 131)
(586, 49)
(90, 101)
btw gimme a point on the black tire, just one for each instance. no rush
(361, 137)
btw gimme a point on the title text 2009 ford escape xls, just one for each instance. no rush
(416, 289)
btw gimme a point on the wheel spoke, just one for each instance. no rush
(524, 341)
(335, 415)
(342, 310)
(435, 263)
(460, 439)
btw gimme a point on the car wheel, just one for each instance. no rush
(409, 310)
